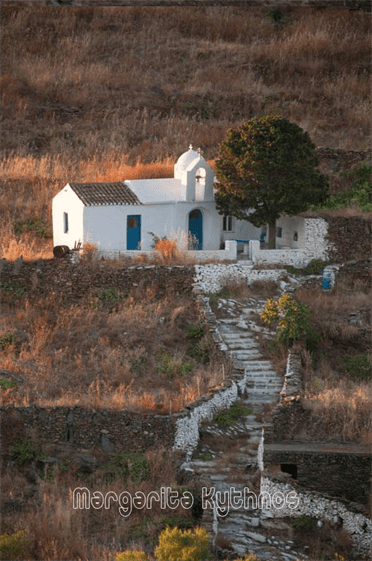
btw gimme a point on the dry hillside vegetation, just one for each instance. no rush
(338, 387)
(88, 92)
(136, 350)
(56, 531)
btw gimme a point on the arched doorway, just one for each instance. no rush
(196, 229)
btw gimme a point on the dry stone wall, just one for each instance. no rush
(74, 280)
(85, 428)
(317, 506)
(211, 278)
(114, 431)
(323, 468)
(349, 238)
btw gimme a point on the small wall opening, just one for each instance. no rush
(289, 468)
(65, 223)
(200, 176)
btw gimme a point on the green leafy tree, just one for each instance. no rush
(265, 169)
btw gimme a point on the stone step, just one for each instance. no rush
(258, 383)
(232, 334)
(271, 390)
(258, 365)
(241, 430)
(245, 355)
(257, 399)
(239, 345)
(255, 372)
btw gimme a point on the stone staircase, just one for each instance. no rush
(228, 457)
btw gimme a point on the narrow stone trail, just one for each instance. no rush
(229, 457)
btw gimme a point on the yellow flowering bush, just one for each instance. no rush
(183, 545)
(14, 546)
(131, 555)
(292, 320)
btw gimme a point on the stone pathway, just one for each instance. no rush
(228, 457)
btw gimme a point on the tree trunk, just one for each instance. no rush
(272, 235)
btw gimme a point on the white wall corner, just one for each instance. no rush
(231, 246)
(254, 249)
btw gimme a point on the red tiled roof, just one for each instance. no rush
(97, 194)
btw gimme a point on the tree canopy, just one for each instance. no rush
(265, 169)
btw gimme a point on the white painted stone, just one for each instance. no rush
(314, 504)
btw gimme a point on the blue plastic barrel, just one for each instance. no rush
(326, 281)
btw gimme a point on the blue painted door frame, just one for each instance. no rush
(196, 227)
(133, 231)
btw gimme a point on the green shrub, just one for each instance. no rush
(131, 555)
(292, 319)
(128, 465)
(34, 225)
(195, 351)
(213, 297)
(172, 366)
(183, 545)
(139, 364)
(111, 295)
(359, 195)
(5, 384)
(14, 546)
(196, 331)
(205, 456)
(303, 523)
(13, 289)
(357, 366)
(227, 417)
(315, 267)
(23, 451)
(276, 15)
(7, 340)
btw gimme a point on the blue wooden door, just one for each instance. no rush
(133, 231)
(196, 228)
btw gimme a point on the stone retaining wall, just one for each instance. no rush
(343, 473)
(317, 506)
(74, 280)
(114, 431)
(85, 428)
(349, 238)
(211, 278)
(352, 271)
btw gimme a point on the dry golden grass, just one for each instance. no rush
(80, 108)
(31, 183)
(111, 350)
(341, 405)
(59, 532)
(235, 64)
